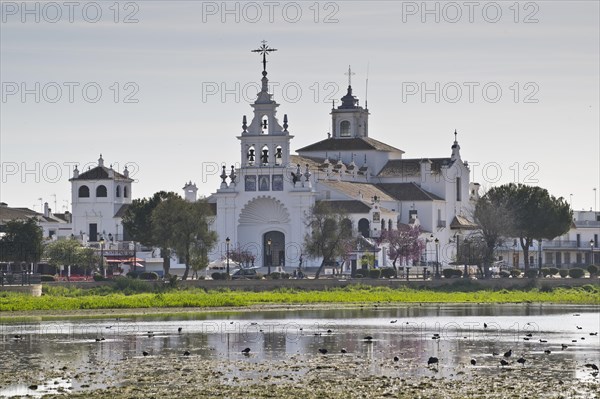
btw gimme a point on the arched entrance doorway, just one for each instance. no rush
(274, 248)
(364, 227)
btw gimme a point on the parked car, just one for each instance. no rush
(244, 273)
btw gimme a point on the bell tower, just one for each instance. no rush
(264, 142)
(349, 120)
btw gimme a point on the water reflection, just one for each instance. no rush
(465, 332)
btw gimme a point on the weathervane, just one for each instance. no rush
(264, 50)
(349, 73)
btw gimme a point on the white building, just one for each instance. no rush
(54, 225)
(576, 248)
(99, 198)
(262, 205)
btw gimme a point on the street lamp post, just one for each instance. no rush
(467, 244)
(437, 258)
(540, 257)
(269, 259)
(515, 262)
(227, 240)
(102, 270)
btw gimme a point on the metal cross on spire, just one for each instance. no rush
(264, 50)
(349, 73)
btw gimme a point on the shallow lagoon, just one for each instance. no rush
(72, 355)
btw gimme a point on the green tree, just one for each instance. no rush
(183, 227)
(495, 219)
(534, 213)
(63, 253)
(137, 221)
(329, 234)
(22, 242)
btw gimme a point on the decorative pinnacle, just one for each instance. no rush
(264, 50)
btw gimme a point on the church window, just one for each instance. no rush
(345, 129)
(264, 124)
(347, 226)
(390, 224)
(458, 189)
(84, 192)
(101, 191)
(364, 228)
(412, 215)
(264, 156)
(125, 192)
(382, 224)
(278, 155)
(251, 155)
(118, 192)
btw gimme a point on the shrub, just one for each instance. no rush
(592, 269)
(576, 272)
(457, 273)
(358, 275)
(564, 272)
(448, 273)
(545, 271)
(275, 276)
(148, 276)
(504, 274)
(173, 281)
(531, 273)
(285, 276)
(99, 277)
(515, 272)
(388, 272)
(131, 285)
(47, 277)
(552, 271)
(374, 273)
(217, 276)
(135, 274)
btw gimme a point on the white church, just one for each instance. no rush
(262, 205)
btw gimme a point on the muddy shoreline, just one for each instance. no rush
(305, 376)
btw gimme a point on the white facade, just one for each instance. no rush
(269, 196)
(576, 248)
(99, 196)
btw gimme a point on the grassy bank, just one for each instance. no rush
(60, 298)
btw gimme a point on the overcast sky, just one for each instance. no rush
(162, 86)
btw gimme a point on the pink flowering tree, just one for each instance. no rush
(404, 243)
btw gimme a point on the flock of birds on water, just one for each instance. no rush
(431, 362)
